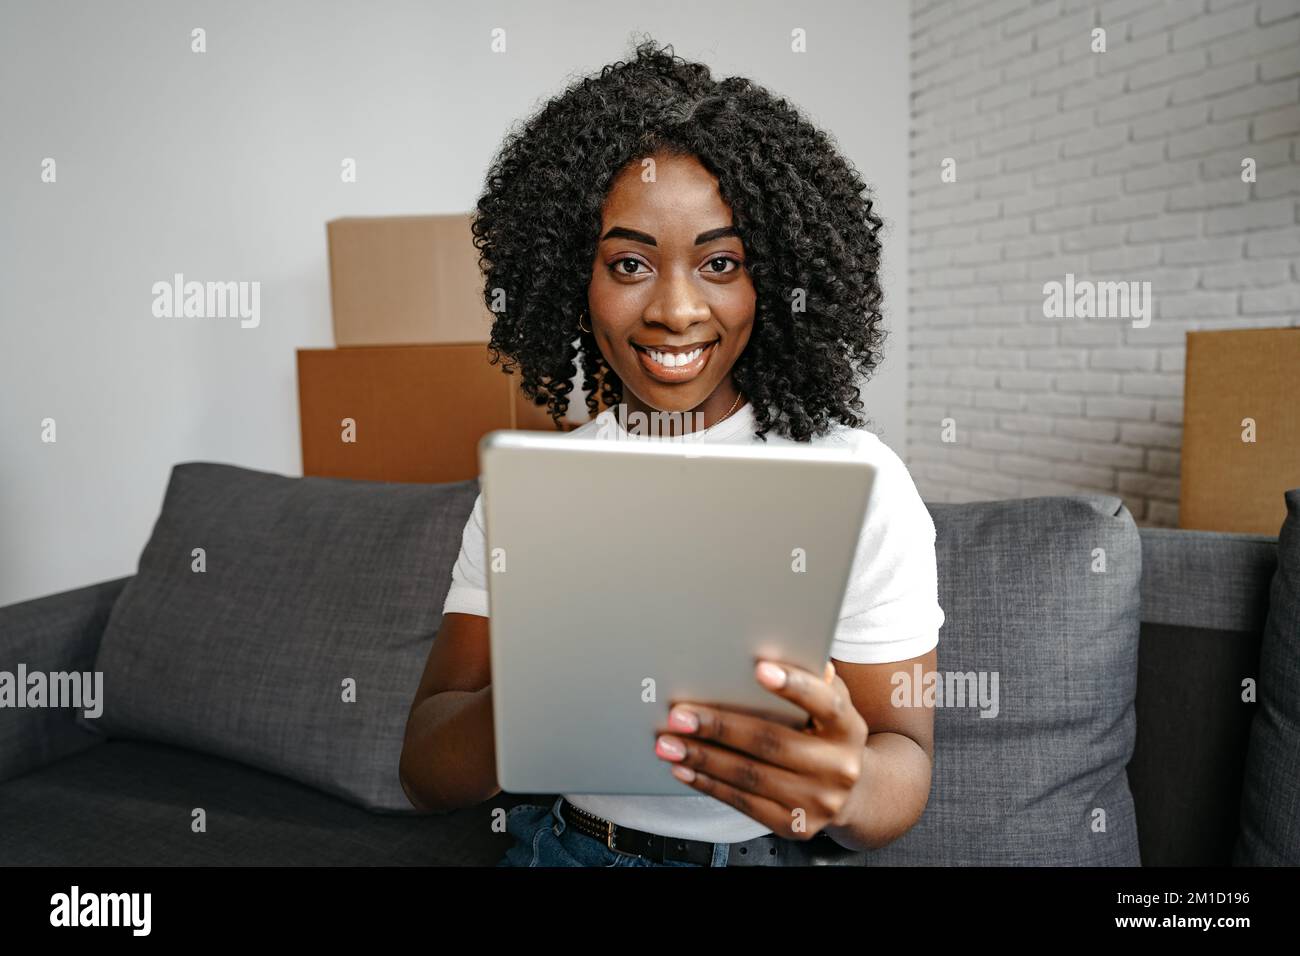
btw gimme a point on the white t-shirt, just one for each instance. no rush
(890, 612)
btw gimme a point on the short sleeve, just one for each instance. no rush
(891, 607)
(468, 591)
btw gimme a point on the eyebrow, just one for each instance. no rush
(619, 232)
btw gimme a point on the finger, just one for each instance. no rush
(830, 672)
(741, 770)
(761, 738)
(829, 705)
(753, 776)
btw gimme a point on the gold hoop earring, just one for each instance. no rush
(588, 331)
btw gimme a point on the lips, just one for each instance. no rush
(674, 374)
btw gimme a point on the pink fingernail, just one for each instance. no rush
(670, 748)
(681, 719)
(772, 673)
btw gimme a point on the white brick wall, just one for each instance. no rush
(1123, 165)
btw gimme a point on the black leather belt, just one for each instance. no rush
(760, 851)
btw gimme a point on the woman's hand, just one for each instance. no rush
(796, 782)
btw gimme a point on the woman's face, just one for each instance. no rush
(668, 278)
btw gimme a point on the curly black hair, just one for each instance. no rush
(802, 211)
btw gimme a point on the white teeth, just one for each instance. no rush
(673, 360)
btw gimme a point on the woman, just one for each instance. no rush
(704, 250)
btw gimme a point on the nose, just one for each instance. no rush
(676, 305)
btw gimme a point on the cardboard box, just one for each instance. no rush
(400, 280)
(419, 411)
(1229, 483)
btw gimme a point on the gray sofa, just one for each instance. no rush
(258, 666)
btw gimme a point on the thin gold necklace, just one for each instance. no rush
(734, 405)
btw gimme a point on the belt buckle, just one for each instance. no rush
(610, 828)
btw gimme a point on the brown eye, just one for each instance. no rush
(720, 265)
(626, 266)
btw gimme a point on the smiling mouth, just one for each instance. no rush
(674, 365)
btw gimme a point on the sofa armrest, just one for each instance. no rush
(58, 633)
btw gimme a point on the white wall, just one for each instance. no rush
(225, 166)
(1123, 165)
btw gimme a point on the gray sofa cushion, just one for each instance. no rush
(131, 803)
(309, 582)
(1034, 784)
(1270, 798)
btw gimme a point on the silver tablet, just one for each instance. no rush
(624, 576)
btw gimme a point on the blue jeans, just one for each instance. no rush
(542, 838)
